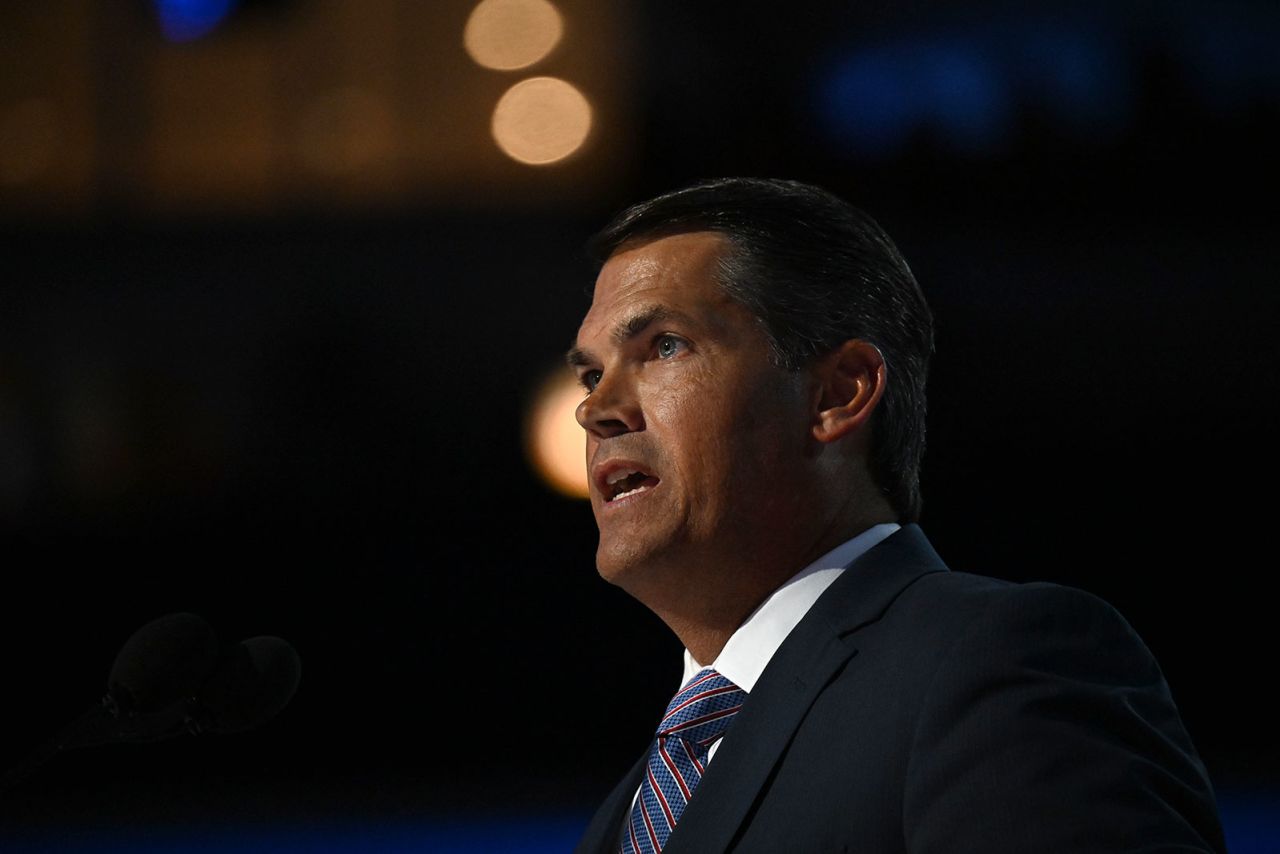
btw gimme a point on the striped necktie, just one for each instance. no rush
(696, 717)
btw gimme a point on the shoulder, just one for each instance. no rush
(1031, 597)
(1010, 717)
(973, 610)
(975, 593)
(975, 626)
(1043, 699)
(905, 583)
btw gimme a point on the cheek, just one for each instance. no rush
(694, 417)
(685, 414)
(709, 439)
(692, 399)
(767, 432)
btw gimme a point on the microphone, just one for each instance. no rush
(249, 684)
(168, 658)
(161, 664)
(169, 678)
(252, 682)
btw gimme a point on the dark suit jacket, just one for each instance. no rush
(922, 710)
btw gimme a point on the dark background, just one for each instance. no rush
(305, 420)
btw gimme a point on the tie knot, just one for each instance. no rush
(703, 709)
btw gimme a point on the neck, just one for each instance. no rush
(705, 612)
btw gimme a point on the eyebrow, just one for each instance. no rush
(628, 329)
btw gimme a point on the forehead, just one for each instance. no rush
(679, 271)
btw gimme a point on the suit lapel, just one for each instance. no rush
(815, 652)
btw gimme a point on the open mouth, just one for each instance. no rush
(627, 482)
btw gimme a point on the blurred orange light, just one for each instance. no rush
(554, 441)
(541, 120)
(510, 34)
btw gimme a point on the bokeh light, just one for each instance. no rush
(541, 120)
(187, 20)
(510, 34)
(554, 441)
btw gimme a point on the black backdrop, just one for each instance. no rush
(309, 425)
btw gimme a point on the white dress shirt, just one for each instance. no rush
(749, 649)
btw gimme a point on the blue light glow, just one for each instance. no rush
(879, 96)
(970, 103)
(1078, 70)
(870, 103)
(187, 20)
(1249, 818)
(541, 835)
(1081, 76)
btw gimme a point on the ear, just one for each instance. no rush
(850, 382)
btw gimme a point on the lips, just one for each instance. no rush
(619, 479)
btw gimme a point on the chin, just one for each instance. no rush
(611, 568)
(622, 564)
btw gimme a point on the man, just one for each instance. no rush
(754, 362)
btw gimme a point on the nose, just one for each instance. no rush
(611, 409)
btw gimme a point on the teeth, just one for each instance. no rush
(620, 474)
(640, 488)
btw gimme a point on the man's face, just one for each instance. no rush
(694, 437)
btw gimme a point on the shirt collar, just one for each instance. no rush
(749, 649)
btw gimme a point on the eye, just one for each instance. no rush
(590, 380)
(669, 345)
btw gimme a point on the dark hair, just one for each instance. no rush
(816, 271)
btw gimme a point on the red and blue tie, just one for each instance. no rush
(694, 720)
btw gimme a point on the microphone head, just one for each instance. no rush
(252, 682)
(165, 661)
